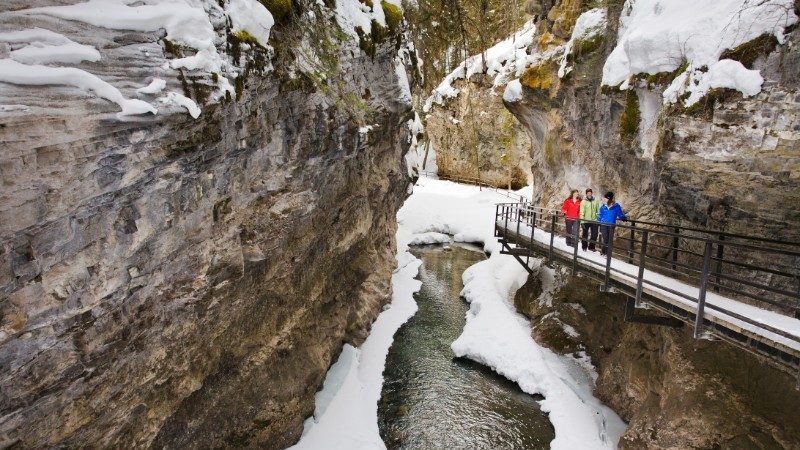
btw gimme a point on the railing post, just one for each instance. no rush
(633, 238)
(640, 278)
(676, 241)
(718, 268)
(519, 218)
(496, 216)
(552, 235)
(533, 227)
(609, 252)
(576, 225)
(505, 228)
(701, 296)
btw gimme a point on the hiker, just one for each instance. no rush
(572, 210)
(589, 208)
(608, 214)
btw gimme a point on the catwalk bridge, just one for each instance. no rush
(741, 289)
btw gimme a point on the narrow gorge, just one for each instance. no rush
(248, 223)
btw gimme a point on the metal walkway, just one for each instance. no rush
(741, 289)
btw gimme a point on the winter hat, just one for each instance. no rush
(609, 195)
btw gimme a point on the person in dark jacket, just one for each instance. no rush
(572, 211)
(608, 215)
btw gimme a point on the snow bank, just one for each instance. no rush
(497, 336)
(38, 75)
(660, 35)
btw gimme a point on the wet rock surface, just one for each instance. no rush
(170, 282)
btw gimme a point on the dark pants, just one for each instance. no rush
(570, 232)
(587, 227)
(607, 231)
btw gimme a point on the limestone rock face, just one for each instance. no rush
(674, 392)
(474, 135)
(176, 282)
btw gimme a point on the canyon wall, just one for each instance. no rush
(175, 282)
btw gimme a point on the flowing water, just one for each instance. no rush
(430, 399)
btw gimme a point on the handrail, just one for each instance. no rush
(693, 229)
(685, 236)
(776, 284)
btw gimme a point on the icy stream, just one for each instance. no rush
(431, 399)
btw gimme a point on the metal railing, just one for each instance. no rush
(480, 183)
(759, 271)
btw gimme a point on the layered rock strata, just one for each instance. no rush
(176, 282)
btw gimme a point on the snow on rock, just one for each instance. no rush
(37, 75)
(352, 14)
(207, 60)
(155, 86)
(70, 53)
(588, 26)
(40, 46)
(505, 60)
(181, 100)
(513, 92)
(185, 24)
(722, 74)
(660, 35)
(250, 16)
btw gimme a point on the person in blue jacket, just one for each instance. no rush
(609, 212)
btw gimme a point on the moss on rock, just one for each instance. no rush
(631, 116)
(278, 8)
(246, 38)
(748, 52)
(393, 14)
(541, 76)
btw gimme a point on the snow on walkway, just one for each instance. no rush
(495, 334)
(631, 271)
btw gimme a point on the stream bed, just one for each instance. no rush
(431, 400)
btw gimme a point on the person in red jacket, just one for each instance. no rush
(572, 211)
